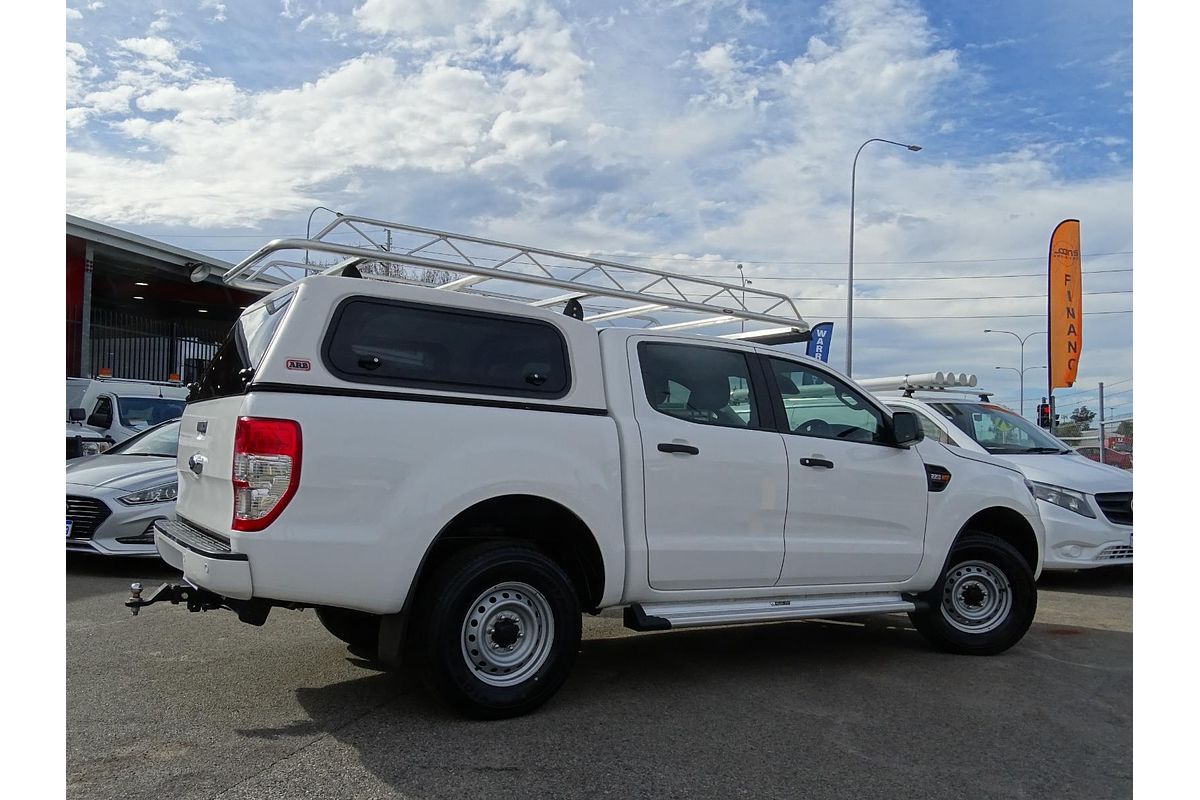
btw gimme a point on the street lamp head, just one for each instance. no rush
(914, 147)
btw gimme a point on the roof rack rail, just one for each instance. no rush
(472, 262)
(945, 382)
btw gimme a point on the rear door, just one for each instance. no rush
(856, 504)
(715, 471)
(206, 431)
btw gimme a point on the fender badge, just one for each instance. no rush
(301, 364)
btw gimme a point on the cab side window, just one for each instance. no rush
(705, 385)
(819, 405)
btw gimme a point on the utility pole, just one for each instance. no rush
(1101, 422)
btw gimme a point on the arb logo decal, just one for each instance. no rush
(299, 363)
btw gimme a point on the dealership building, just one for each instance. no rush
(143, 309)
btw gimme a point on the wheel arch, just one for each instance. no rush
(1009, 525)
(545, 523)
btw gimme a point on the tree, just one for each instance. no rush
(1083, 416)
(1068, 430)
(1125, 427)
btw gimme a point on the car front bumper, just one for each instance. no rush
(100, 522)
(1074, 541)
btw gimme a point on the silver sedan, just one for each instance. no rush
(114, 498)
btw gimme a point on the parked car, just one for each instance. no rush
(102, 412)
(462, 475)
(1115, 458)
(114, 498)
(1087, 507)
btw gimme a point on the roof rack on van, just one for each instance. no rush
(943, 382)
(578, 280)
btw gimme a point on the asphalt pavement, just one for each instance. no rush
(172, 705)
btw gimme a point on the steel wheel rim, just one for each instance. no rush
(507, 634)
(977, 597)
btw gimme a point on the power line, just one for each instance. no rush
(983, 297)
(915, 277)
(972, 316)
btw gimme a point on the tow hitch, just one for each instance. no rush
(253, 611)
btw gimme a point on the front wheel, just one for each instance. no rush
(498, 630)
(984, 600)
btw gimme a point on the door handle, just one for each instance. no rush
(816, 462)
(671, 447)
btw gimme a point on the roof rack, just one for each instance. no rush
(944, 382)
(493, 268)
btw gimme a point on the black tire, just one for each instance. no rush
(358, 629)
(447, 607)
(976, 562)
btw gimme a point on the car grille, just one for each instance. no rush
(1115, 551)
(85, 514)
(1117, 506)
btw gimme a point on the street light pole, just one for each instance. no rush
(1022, 340)
(850, 273)
(1022, 372)
(742, 275)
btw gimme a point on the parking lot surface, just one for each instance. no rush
(178, 705)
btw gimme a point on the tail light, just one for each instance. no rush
(266, 470)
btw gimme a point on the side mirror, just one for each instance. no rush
(100, 420)
(76, 414)
(906, 429)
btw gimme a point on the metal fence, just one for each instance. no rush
(1117, 441)
(140, 348)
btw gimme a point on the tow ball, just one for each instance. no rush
(173, 593)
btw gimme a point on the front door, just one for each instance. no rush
(715, 473)
(856, 504)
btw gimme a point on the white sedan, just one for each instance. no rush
(113, 499)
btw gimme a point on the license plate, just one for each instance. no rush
(68, 529)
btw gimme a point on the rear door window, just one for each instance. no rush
(706, 385)
(407, 344)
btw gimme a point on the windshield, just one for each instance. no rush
(162, 440)
(999, 430)
(142, 412)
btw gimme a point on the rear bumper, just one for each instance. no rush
(205, 560)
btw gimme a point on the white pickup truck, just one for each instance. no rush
(450, 479)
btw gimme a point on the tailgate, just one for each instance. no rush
(205, 463)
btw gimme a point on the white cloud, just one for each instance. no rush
(152, 47)
(414, 16)
(74, 14)
(216, 8)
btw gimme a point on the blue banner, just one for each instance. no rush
(818, 345)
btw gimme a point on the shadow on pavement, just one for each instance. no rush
(1110, 581)
(89, 575)
(816, 709)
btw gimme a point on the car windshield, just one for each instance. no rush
(142, 412)
(999, 430)
(162, 440)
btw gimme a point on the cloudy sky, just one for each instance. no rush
(690, 133)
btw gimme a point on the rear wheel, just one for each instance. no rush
(358, 629)
(984, 600)
(498, 629)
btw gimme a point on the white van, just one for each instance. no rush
(102, 412)
(1087, 507)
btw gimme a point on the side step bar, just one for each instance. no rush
(664, 616)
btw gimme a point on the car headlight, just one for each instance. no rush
(93, 448)
(1066, 498)
(155, 494)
